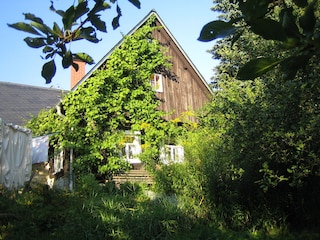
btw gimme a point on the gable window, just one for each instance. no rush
(172, 154)
(132, 147)
(156, 82)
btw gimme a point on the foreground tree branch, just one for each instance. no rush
(54, 40)
(294, 24)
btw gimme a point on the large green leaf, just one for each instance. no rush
(42, 27)
(75, 66)
(308, 20)
(32, 17)
(47, 49)
(135, 3)
(96, 21)
(80, 10)
(288, 22)
(21, 26)
(268, 29)
(67, 59)
(88, 34)
(35, 42)
(57, 30)
(68, 18)
(216, 29)
(99, 6)
(59, 12)
(50, 55)
(253, 9)
(115, 21)
(257, 67)
(84, 57)
(48, 71)
(291, 65)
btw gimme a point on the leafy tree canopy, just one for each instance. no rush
(265, 163)
(294, 24)
(81, 21)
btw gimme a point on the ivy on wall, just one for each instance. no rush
(117, 97)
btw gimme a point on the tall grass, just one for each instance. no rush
(106, 212)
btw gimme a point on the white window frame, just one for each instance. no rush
(172, 154)
(156, 82)
(131, 150)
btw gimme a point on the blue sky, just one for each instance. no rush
(22, 64)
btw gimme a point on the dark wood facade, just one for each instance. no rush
(188, 91)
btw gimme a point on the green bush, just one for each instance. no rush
(170, 179)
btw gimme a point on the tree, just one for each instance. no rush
(265, 163)
(81, 21)
(294, 24)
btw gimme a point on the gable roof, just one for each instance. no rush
(18, 102)
(143, 21)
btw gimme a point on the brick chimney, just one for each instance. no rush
(76, 76)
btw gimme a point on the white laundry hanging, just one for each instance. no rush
(40, 149)
(15, 155)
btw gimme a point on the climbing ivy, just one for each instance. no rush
(117, 97)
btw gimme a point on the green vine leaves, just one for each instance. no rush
(294, 25)
(79, 22)
(118, 96)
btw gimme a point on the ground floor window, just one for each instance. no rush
(132, 147)
(172, 154)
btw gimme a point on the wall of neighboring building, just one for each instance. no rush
(187, 92)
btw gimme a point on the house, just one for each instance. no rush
(183, 89)
(180, 90)
(19, 102)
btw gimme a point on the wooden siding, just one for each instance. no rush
(187, 92)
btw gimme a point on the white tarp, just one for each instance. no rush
(15, 155)
(40, 149)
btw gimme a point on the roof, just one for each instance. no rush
(18, 102)
(143, 21)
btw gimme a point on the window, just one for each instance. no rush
(172, 154)
(132, 147)
(156, 82)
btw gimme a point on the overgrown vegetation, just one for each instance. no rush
(118, 97)
(105, 212)
(251, 168)
(266, 151)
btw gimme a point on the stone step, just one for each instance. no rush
(136, 176)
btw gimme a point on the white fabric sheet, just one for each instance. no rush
(15, 155)
(40, 149)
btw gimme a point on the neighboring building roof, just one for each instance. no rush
(18, 102)
(143, 21)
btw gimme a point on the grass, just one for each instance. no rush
(105, 212)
